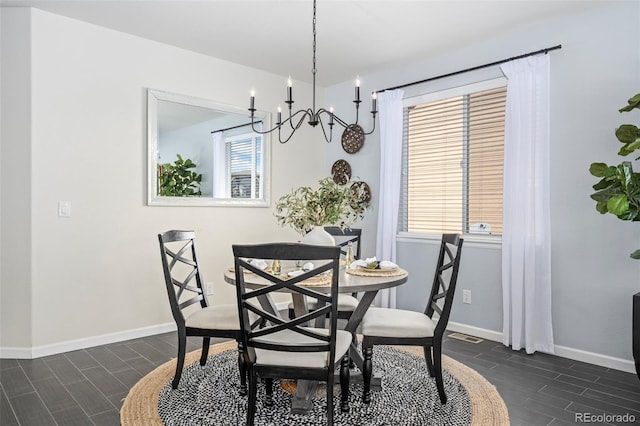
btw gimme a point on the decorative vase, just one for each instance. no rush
(318, 237)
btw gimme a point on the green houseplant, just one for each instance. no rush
(178, 180)
(618, 191)
(330, 203)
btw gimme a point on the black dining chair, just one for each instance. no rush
(288, 348)
(344, 236)
(192, 312)
(346, 303)
(382, 326)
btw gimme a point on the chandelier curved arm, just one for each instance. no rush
(303, 114)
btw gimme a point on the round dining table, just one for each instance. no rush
(365, 283)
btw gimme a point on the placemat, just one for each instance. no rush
(363, 272)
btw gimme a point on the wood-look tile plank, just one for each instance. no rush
(72, 416)
(108, 418)
(141, 365)
(89, 397)
(54, 395)
(81, 359)
(7, 417)
(36, 369)
(151, 353)
(64, 370)
(106, 382)
(30, 410)
(15, 382)
(107, 359)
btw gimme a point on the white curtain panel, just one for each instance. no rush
(219, 173)
(390, 103)
(526, 253)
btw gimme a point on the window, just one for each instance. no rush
(243, 165)
(453, 162)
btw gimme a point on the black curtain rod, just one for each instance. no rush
(538, 52)
(235, 127)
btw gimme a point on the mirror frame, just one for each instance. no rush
(153, 199)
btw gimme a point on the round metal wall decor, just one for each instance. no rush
(341, 172)
(352, 138)
(363, 189)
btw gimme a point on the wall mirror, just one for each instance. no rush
(203, 153)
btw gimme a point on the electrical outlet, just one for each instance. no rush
(466, 296)
(64, 208)
(209, 288)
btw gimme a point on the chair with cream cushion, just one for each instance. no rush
(192, 312)
(381, 326)
(346, 302)
(287, 348)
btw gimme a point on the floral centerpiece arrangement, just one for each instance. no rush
(330, 204)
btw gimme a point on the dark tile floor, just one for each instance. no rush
(87, 387)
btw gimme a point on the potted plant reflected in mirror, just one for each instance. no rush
(178, 180)
(308, 210)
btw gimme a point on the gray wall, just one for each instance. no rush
(593, 278)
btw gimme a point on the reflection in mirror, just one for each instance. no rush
(203, 153)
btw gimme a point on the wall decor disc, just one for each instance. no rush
(352, 138)
(341, 172)
(363, 188)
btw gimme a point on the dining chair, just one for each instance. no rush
(383, 326)
(191, 309)
(290, 348)
(346, 303)
(345, 236)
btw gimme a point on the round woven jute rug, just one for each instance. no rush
(208, 395)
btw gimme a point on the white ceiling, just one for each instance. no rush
(353, 36)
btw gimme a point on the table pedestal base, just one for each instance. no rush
(306, 389)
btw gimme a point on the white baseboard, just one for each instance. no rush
(561, 351)
(483, 333)
(88, 342)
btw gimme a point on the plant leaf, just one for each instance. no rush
(634, 102)
(635, 254)
(618, 205)
(598, 169)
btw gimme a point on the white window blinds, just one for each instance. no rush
(244, 163)
(453, 158)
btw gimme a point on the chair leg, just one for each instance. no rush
(206, 341)
(330, 400)
(344, 383)
(182, 345)
(251, 403)
(367, 371)
(242, 368)
(437, 355)
(268, 390)
(354, 340)
(428, 359)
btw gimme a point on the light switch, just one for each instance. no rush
(64, 208)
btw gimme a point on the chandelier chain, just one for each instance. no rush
(313, 70)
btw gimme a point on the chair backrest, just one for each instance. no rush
(344, 236)
(181, 272)
(444, 281)
(327, 265)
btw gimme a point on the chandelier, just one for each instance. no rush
(314, 117)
